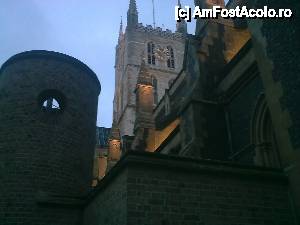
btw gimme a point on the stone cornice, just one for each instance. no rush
(189, 165)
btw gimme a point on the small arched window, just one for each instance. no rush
(150, 51)
(51, 101)
(155, 94)
(171, 58)
(51, 104)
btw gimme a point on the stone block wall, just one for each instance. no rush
(46, 154)
(276, 45)
(155, 189)
(108, 204)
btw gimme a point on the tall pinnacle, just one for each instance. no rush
(132, 6)
(121, 29)
(121, 26)
(181, 26)
(179, 3)
(132, 14)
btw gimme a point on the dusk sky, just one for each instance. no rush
(84, 29)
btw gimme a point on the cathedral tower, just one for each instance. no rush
(162, 51)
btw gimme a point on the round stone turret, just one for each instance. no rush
(48, 111)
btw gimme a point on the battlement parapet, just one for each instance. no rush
(159, 31)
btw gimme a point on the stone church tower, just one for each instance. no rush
(163, 52)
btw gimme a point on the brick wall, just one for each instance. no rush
(284, 56)
(108, 204)
(167, 190)
(277, 48)
(46, 156)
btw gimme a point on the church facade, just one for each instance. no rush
(222, 104)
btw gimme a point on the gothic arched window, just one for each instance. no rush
(150, 51)
(171, 58)
(263, 136)
(155, 94)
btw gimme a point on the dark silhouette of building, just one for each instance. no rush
(48, 118)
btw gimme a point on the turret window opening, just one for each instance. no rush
(171, 58)
(51, 101)
(151, 55)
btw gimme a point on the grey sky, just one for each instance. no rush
(84, 29)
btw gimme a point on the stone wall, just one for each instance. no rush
(108, 204)
(154, 189)
(277, 49)
(46, 154)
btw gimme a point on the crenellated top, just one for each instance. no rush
(159, 31)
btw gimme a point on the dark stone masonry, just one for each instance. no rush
(150, 189)
(46, 153)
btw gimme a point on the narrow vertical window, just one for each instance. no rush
(151, 56)
(171, 58)
(263, 136)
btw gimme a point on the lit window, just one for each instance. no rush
(151, 55)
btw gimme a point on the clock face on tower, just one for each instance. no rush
(162, 54)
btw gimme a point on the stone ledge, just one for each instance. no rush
(159, 31)
(190, 165)
(49, 199)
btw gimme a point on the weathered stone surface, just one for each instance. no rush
(148, 188)
(131, 49)
(45, 152)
